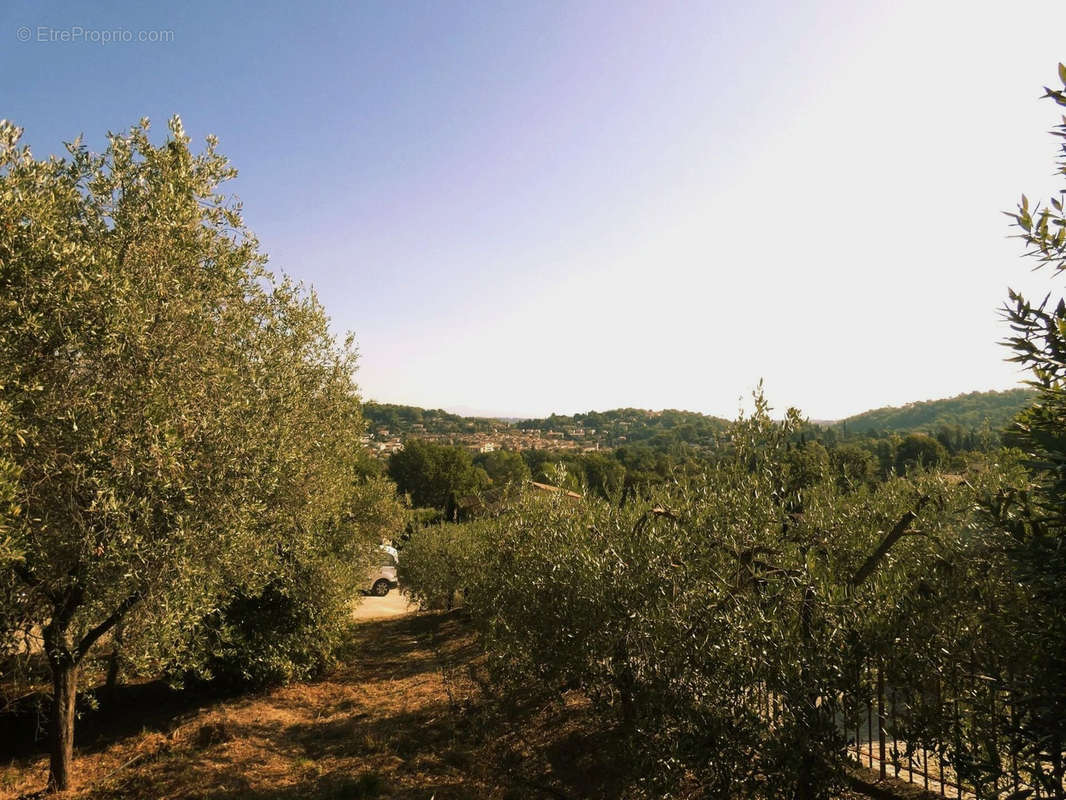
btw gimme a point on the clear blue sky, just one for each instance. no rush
(527, 207)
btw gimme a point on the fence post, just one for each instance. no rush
(858, 738)
(1015, 779)
(881, 718)
(1058, 769)
(939, 742)
(869, 720)
(973, 693)
(958, 745)
(896, 763)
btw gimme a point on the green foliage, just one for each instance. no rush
(289, 629)
(402, 420)
(661, 429)
(182, 421)
(651, 449)
(918, 450)
(439, 561)
(682, 616)
(972, 411)
(808, 465)
(853, 466)
(1035, 521)
(130, 367)
(9, 474)
(435, 475)
(271, 637)
(504, 468)
(603, 474)
(600, 473)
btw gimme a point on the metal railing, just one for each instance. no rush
(959, 740)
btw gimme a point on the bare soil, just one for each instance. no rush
(394, 604)
(407, 715)
(403, 717)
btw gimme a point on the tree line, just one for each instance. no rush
(449, 478)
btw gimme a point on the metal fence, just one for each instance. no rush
(956, 739)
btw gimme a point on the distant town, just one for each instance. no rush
(384, 441)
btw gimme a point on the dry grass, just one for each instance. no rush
(405, 717)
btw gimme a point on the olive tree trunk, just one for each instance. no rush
(63, 659)
(61, 721)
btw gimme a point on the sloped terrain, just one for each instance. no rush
(407, 715)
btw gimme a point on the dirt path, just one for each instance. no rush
(357, 733)
(393, 604)
(402, 718)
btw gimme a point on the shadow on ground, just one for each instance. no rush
(402, 717)
(133, 708)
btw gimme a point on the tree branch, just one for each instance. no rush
(894, 535)
(65, 612)
(90, 638)
(55, 632)
(33, 581)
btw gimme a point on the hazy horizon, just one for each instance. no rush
(549, 207)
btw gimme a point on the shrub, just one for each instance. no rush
(280, 634)
(289, 629)
(439, 561)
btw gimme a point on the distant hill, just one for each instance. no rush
(661, 429)
(971, 411)
(411, 419)
(636, 425)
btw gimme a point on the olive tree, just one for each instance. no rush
(440, 561)
(723, 621)
(1036, 520)
(181, 419)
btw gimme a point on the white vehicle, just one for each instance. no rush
(383, 577)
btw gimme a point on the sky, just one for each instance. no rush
(520, 208)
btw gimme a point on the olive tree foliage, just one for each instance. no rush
(687, 617)
(182, 422)
(8, 491)
(948, 639)
(289, 629)
(439, 561)
(1036, 520)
